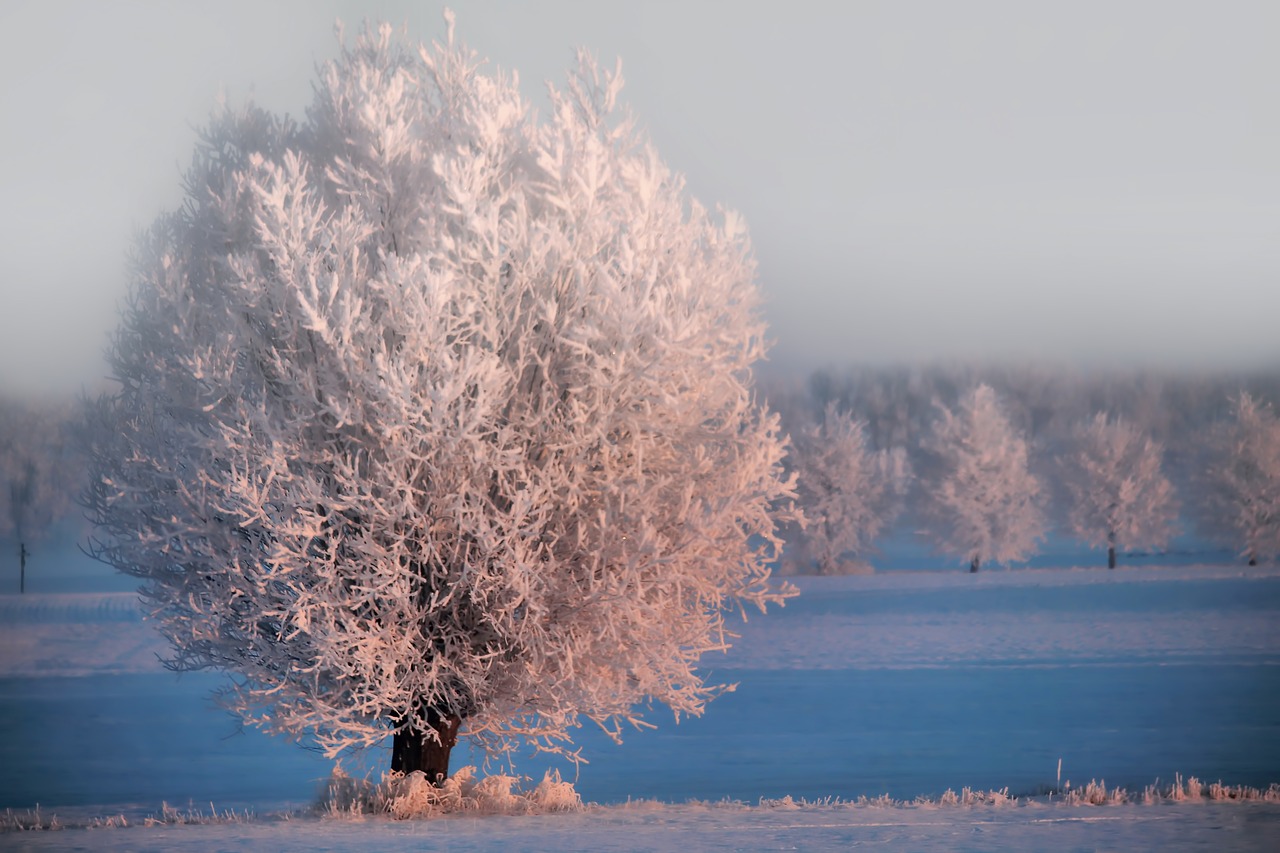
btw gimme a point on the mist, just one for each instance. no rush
(1088, 184)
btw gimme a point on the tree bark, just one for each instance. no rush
(22, 570)
(974, 564)
(1111, 550)
(428, 752)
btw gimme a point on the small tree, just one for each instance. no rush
(433, 414)
(38, 475)
(980, 496)
(1242, 505)
(1119, 496)
(849, 493)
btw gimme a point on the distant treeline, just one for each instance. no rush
(1068, 424)
(982, 460)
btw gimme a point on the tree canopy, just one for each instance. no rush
(428, 406)
(984, 501)
(849, 493)
(1119, 496)
(1242, 481)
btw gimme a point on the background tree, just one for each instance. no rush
(848, 492)
(1118, 495)
(979, 494)
(39, 475)
(1242, 481)
(431, 413)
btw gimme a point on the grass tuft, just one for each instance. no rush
(170, 816)
(29, 820)
(405, 797)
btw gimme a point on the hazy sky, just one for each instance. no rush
(1066, 181)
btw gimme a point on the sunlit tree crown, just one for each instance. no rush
(427, 402)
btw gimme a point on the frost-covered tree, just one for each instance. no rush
(433, 414)
(982, 501)
(848, 492)
(1242, 503)
(1118, 495)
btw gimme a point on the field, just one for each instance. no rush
(863, 712)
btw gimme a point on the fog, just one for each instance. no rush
(1087, 183)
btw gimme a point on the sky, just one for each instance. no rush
(1088, 183)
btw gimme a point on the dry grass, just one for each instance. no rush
(412, 796)
(33, 820)
(169, 816)
(1095, 793)
(966, 797)
(1193, 790)
(407, 797)
(30, 820)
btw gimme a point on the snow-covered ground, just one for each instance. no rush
(701, 827)
(1050, 617)
(896, 619)
(905, 683)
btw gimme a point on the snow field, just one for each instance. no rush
(661, 827)
(76, 634)
(893, 619)
(1030, 617)
(910, 683)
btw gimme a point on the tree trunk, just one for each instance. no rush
(974, 564)
(1111, 550)
(22, 568)
(429, 752)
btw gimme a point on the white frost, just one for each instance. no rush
(429, 404)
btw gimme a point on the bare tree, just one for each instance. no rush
(39, 475)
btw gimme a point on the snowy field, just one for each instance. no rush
(888, 687)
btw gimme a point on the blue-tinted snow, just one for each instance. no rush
(664, 828)
(905, 683)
